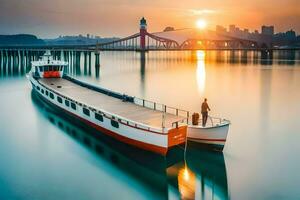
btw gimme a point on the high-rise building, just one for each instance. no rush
(220, 29)
(290, 35)
(267, 30)
(232, 28)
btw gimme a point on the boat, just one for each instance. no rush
(148, 125)
(213, 135)
(145, 168)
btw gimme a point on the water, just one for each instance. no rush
(45, 155)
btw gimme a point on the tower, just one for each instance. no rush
(143, 32)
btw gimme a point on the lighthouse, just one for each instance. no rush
(143, 32)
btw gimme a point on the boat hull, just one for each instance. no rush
(148, 140)
(214, 137)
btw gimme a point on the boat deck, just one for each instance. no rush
(110, 104)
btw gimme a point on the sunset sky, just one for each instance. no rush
(49, 19)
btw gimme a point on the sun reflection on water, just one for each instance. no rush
(186, 183)
(200, 72)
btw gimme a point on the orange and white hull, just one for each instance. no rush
(158, 141)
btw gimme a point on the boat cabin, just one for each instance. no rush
(47, 67)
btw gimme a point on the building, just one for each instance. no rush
(290, 34)
(232, 28)
(220, 29)
(267, 30)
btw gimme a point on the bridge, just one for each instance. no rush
(181, 39)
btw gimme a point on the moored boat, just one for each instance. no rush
(144, 124)
(212, 135)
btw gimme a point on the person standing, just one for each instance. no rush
(204, 111)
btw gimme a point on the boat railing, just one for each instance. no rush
(215, 121)
(138, 101)
(163, 108)
(113, 116)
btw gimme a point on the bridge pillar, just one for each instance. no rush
(22, 61)
(27, 54)
(9, 66)
(4, 61)
(90, 63)
(143, 33)
(77, 57)
(97, 64)
(97, 59)
(1, 65)
(85, 63)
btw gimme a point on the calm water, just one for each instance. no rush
(44, 155)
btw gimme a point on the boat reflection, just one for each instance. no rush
(147, 168)
(201, 176)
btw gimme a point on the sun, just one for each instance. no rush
(201, 24)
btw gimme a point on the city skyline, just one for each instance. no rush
(118, 18)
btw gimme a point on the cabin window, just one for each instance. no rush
(50, 68)
(42, 91)
(47, 92)
(41, 69)
(59, 99)
(67, 103)
(114, 123)
(73, 105)
(37, 87)
(86, 111)
(99, 117)
(51, 95)
(46, 68)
